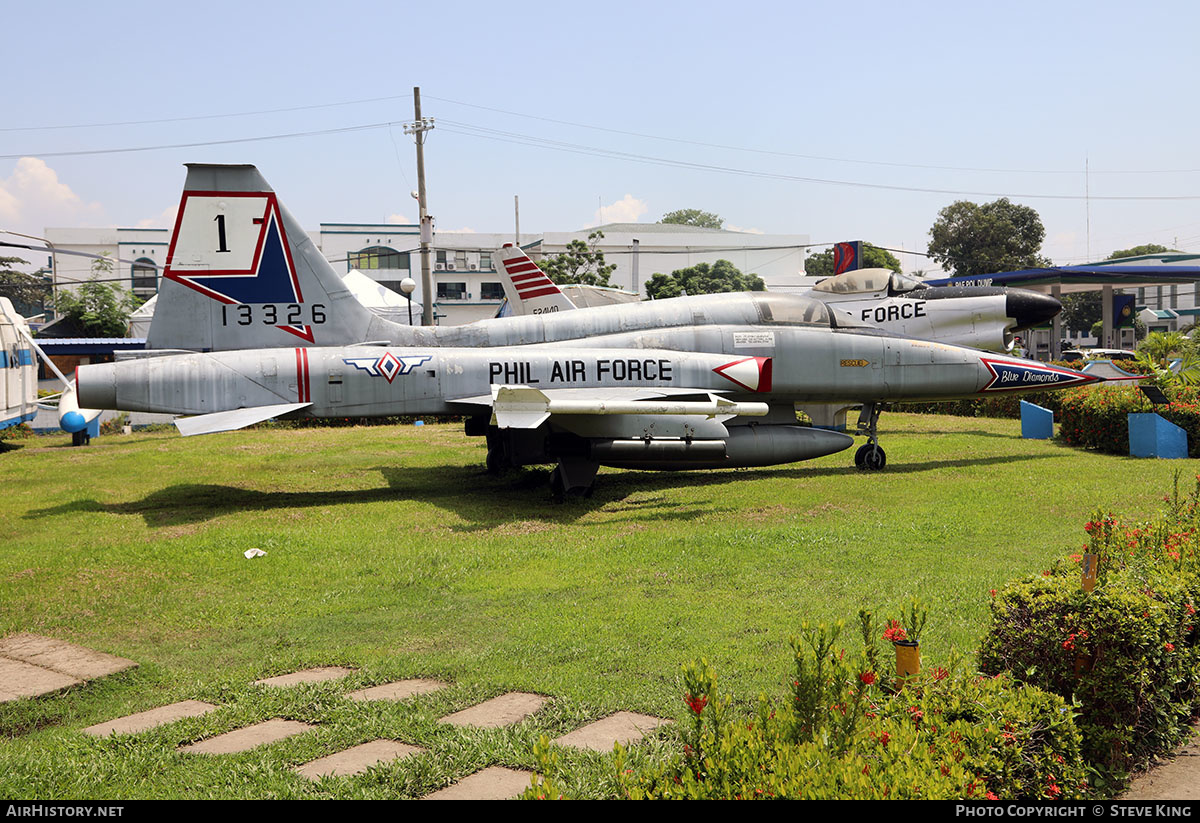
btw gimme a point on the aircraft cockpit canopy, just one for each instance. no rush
(791, 310)
(867, 281)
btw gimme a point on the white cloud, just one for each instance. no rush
(626, 210)
(745, 231)
(400, 219)
(165, 219)
(33, 198)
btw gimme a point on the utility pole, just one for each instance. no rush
(417, 128)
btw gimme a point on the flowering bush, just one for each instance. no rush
(942, 736)
(846, 731)
(1127, 653)
(1097, 417)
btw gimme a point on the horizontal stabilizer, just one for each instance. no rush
(523, 407)
(235, 419)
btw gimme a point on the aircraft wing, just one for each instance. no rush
(235, 419)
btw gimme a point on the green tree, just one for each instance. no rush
(100, 309)
(581, 263)
(821, 263)
(693, 217)
(971, 239)
(1136, 251)
(1081, 310)
(28, 292)
(702, 278)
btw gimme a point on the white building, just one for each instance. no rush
(467, 286)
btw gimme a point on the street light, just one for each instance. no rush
(408, 285)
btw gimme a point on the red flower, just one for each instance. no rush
(696, 704)
(894, 632)
(867, 677)
(1169, 646)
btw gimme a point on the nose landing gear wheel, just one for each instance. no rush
(870, 458)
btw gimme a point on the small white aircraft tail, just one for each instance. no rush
(241, 273)
(528, 289)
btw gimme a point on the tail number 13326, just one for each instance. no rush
(272, 314)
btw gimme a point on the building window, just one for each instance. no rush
(491, 291)
(378, 257)
(145, 277)
(440, 259)
(485, 261)
(452, 291)
(460, 260)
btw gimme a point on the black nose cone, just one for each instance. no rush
(1030, 308)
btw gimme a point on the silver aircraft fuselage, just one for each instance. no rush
(805, 365)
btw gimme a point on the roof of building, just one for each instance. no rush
(663, 228)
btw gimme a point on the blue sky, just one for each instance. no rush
(904, 107)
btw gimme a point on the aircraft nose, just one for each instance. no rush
(1030, 308)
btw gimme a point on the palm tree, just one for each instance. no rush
(1159, 349)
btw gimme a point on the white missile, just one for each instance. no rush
(524, 407)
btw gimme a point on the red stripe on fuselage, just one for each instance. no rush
(515, 266)
(303, 388)
(307, 384)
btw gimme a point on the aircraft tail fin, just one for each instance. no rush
(241, 273)
(528, 289)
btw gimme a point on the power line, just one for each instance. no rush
(803, 156)
(470, 130)
(208, 116)
(130, 149)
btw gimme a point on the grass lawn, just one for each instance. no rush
(390, 551)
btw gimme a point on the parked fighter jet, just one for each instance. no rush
(695, 382)
(981, 317)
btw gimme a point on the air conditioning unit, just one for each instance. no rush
(439, 266)
(474, 267)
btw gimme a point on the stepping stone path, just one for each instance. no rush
(140, 722)
(319, 675)
(492, 783)
(357, 759)
(622, 727)
(499, 711)
(399, 690)
(247, 738)
(33, 665)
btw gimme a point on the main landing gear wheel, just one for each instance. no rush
(80, 438)
(497, 461)
(870, 457)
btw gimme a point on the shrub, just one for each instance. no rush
(115, 424)
(1097, 417)
(848, 732)
(1127, 653)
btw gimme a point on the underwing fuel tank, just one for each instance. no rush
(745, 447)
